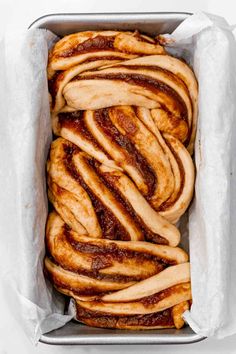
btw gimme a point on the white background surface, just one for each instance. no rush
(20, 13)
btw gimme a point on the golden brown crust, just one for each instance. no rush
(94, 272)
(111, 43)
(119, 176)
(177, 312)
(86, 190)
(154, 303)
(158, 320)
(106, 259)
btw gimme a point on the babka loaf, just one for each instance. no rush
(120, 175)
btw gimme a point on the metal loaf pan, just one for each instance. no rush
(152, 24)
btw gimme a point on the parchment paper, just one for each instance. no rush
(25, 136)
(207, 43)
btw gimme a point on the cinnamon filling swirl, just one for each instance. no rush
(91, 45)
